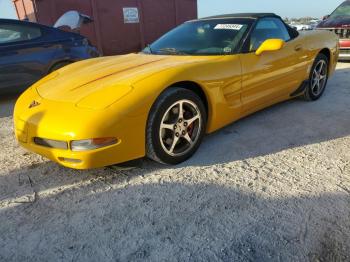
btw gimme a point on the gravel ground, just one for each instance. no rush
(274, 186)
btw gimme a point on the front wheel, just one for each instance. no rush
(318, 78)
(176, 126)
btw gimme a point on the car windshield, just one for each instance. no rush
(342, 11)
(206, 37)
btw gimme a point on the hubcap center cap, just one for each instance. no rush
(180, 127)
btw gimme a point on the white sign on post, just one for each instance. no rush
(131, 15)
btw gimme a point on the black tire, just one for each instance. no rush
(309, 94)
(58, 66)
(163, 106)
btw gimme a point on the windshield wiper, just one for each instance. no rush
(171, 50)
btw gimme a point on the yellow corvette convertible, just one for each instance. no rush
(160, 102)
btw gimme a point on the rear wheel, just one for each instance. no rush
(318, 78)
(176, 126)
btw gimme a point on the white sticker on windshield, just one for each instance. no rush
(227, 49)
(228, 26)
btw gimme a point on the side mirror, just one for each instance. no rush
(325, 17)
(270, 45)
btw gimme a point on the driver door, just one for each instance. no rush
(272, 76)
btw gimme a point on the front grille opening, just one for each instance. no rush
(50, 143)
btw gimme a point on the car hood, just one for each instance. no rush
(335, 22)
(107, 75)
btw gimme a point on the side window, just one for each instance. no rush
(268, 28)
(12, 33)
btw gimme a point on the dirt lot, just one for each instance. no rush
(272, 187)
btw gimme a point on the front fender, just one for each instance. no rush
(220, 81)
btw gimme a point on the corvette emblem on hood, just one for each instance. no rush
(34, 104)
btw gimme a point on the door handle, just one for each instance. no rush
(298, 48)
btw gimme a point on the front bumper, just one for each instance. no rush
(77, 160)
(127, 148)
(65, 122)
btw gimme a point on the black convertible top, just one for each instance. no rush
(242, 15)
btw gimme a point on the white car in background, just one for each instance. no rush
(301, 27)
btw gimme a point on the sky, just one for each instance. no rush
(7, 10)
(284, 8)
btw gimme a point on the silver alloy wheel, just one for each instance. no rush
(180, 127)
(319, 78)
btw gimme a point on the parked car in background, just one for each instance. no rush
(314, 23)
(29, 51)
(301, 27)
(339, 23)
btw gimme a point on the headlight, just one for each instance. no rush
(94, 143)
